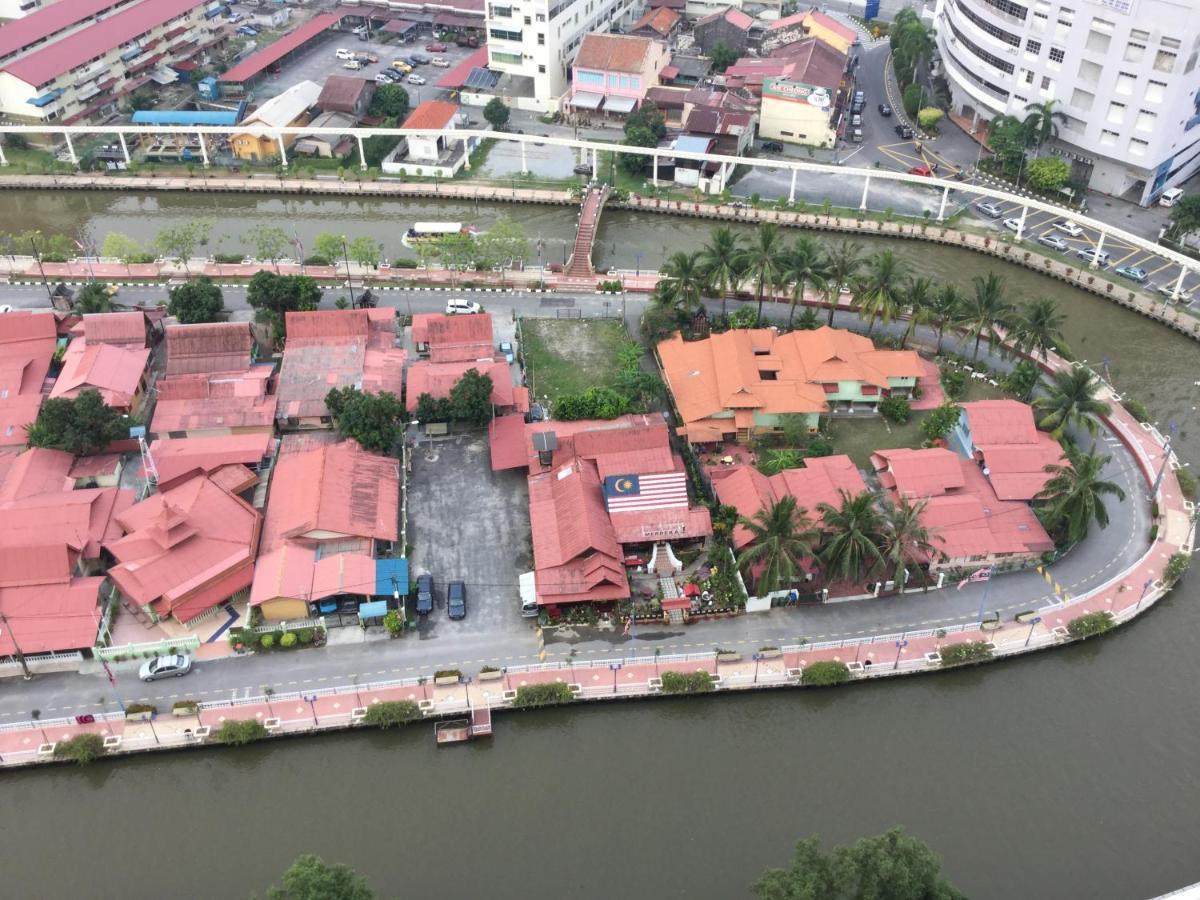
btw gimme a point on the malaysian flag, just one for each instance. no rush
(978, 575)
(632, 493)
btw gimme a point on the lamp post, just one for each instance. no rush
(900, 645)
(349, 278)
(1146, 589)
(26, 674)
(638, 263)
(757, 658)
(41, 269)
(1033, 623)
(1162, 470)
(312, 704)
(616, 667)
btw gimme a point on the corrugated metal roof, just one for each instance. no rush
(277, 50)
(48, 21)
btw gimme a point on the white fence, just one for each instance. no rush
(46, 662)
(186, 644)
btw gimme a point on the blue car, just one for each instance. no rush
(506, 350)
(1133, 273)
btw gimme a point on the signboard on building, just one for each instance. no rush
(796, 91)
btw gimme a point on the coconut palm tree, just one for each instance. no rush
(93, 297)
(783, 535)
(851, 550)
(780, 458)
(803, 266)
(721, 258)
(685, 280)
(918, 298)
(1074, 496)
(882, 287)
(1070, 402)
(946, 309)
(763, 259)
(986, 310)
(1037, 327)
(808, 321)
(843, 264)
(1042, 120)
(906, 542)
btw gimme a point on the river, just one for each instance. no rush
(1066, 774)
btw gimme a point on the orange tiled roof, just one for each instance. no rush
(431, 114)
(613, 52)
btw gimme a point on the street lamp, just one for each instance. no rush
(16, 649)
(757, 658)
(349, 278)
(638, 263)
(900, 645)
(1145, 589)
(41, 269)
(1033, 623)
(616, 667)
(312, 703)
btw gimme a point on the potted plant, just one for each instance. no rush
(447, 676)
(140, 712)
(490, 673)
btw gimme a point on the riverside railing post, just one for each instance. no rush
(524, 165)
(71, 149)
(866, 188)
(203, 149)
(362, 153)
(282, 150)
(792, 189)
(124, 147)
(942, 208)
(1099, 249)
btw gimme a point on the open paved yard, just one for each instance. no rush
(471, 524)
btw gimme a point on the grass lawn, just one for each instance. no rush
(567, 356)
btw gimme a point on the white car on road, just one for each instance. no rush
(1067, 227)
(1012, 224)
(175, 666)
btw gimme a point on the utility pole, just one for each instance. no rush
(20, 656)
(349, 277)
(37, 256)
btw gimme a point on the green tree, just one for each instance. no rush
(496, 112)
(274, 296)
(881, 290)
(1037, 328)
(684, 278)
(780, 458)
(390, 102)
(762, 260)
(196, 301)
(907, 543)
(919, 299)
(121, 246)
(456, 251)
(432, 409)
(1185, 216)
(365, 250)
(987, 310)
(503, 243)
(945, 310)
(330, 246)
(311, 878)
(183, 240)
(804, 266)
(1071, 401)
(891, 866)
(911, 98)
(844, 262)
(376, 421)
(782, 537)
(93, 297)
(471, 398)
(1023, 380)
(1009, 140)
(1041, 122)
(1074, 495)
(594, 403)
(853, 529)
(270, 242)
(644, 127)
(82, 426)
(723, 56)
(929, 117)
(940, 421)
(721, 258)
(1048, 173)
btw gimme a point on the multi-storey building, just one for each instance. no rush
(538, 39)
(73, 61)
(1122, 71)
(19, 9)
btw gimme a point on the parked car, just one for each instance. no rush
(991, 210)
(921, 170)
(1067, 227)
(1012, 224)
(856, 120)
(860, 97)
(904, 132)
(456, 600)
(436, 47)
(1054, 242)
(885, 110)
(368, 58)
(440, 62)
(174, 666)
(247, 31)
(1167, 290)
(467, 40)
(506, 350)
(233, 18)
(856, 135)
(1133, 273)
(415, 79)
(772, 147)
(352, 64)
(1091, 255)
(343, 53)
(361, 29)
(382, 78)
(418, 59)
(401, 66)
(459, 306)
(1170, 196)
(424, 594)
(393, 75)
(583, 169)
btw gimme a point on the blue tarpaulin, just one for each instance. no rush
(374, 609)
(47, 98)
(385, 571)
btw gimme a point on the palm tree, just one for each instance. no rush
(1037, 328)
(808, 320)
(1070, 402)
(852, 548)
(783, 536)
(1074, 495)
(804, 265)
(919, 298)
(946, 309)
(1042, 120)
(93, 297)
(780, 458)
(843, 264)
(882, 287)
(763, 259)
(906, 541)
(987, 310)
(684, 280)
(721, 258)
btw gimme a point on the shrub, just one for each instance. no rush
(447, 673)
(237, 732)
(895, 409)
(267, 641)
(288, 640)
(940, 422)
(393, 623)
(551, 693)
(1137, 409)
(82, 749)
(404, 263)
(966, 652)
(134, 709)
(488, 669)
(190, 705)
(1176, 566)
(228, 257)
(389, 714)
(954, 382)
(1090, 624)
(912, 99)
(305, 635)
(825, 672)
(929, 117)
(686, 682)
(316, 260)
(1187, 482)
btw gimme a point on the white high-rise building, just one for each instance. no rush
(538, 39)
(1123, 71)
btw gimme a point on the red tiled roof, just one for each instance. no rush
(215, 401)
(50, 617)
(734, 17)
(454, 338)
(612, 52)
(126, 329)
(437, 378)
(212, 347)
(918, 473)
(27, 342)
(998, 422)
(812, 62)
(37, 471)
(47, 22)
(82, 520)
(342, 92)
(277, 50)
(806, 18)
(506, 439)
(45, 64)
(660, 20)
(432, 114)
(178, 456)
(1014, 453)
(114, 371)
(92, 466)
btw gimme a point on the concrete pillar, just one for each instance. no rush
(595, 164)
(362, 153)
(467, 152)
(792, 190)
(203, 149)
(1178, 289)
(282, 150)
(3, 158)
(1021, 222)
(654, 177)
(942, 208)
(124, 146)
(71, 149)
(941, 579)
(1099, 249)
(866, 187)
(524, 164)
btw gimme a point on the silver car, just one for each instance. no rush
(175, 666)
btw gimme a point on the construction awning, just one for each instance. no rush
(620, 104)
(374, 609)
(587, 100)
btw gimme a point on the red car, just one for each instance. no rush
(921, 170)
(436, 47)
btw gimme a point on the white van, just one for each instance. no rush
(345, 54)
(460, 306)
(1170, 196)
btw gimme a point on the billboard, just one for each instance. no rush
(798, 92)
